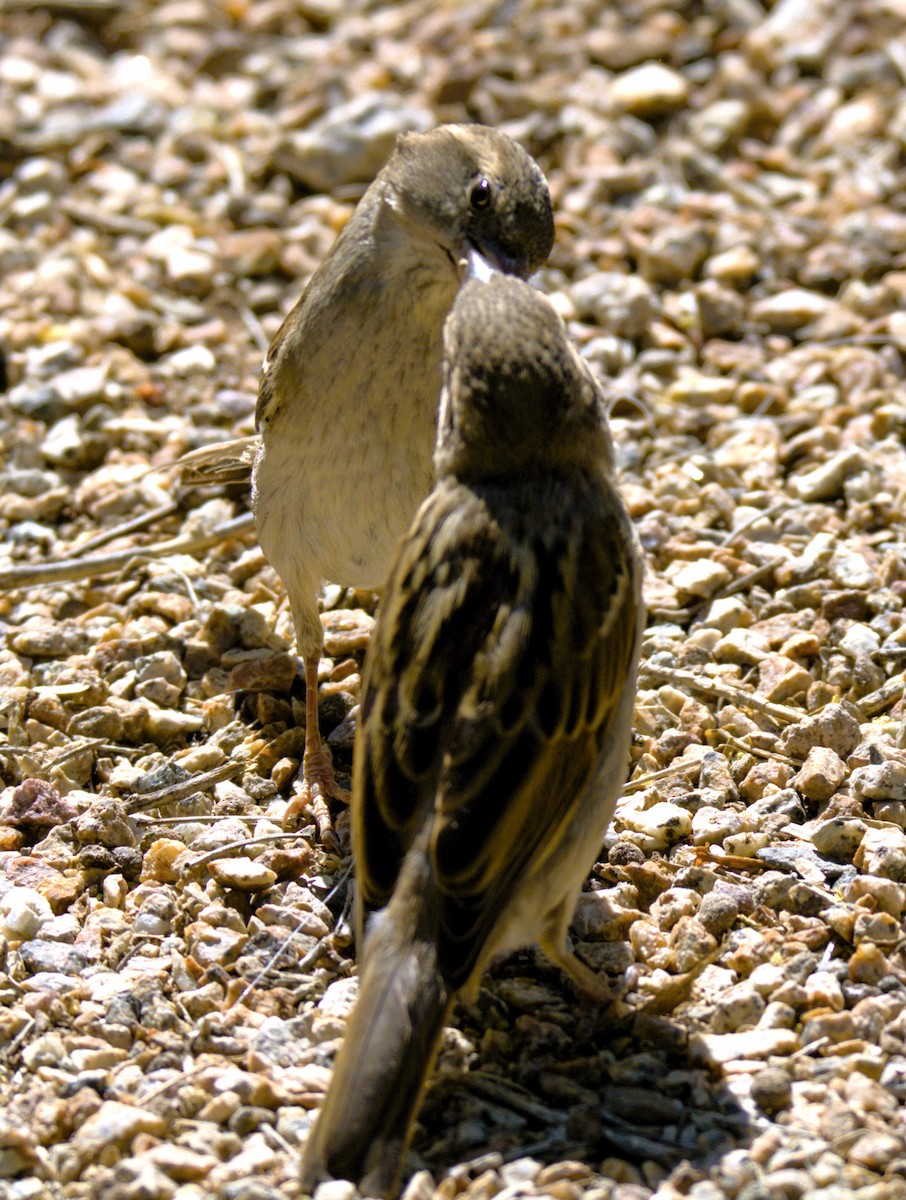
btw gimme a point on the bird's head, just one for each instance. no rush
(517, 398)
(470, 189)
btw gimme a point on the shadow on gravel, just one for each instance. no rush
(532, 1073)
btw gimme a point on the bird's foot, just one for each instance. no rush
(315, 785)
(589, 985)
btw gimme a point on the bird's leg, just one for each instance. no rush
(316, 782)
(583, 978)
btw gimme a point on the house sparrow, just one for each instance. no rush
(495, 721)
(347, 405)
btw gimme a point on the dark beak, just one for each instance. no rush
(492, 258)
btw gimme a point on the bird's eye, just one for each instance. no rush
(481, 195)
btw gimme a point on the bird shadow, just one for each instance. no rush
(530, 1072)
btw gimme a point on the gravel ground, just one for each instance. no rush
(731, 257)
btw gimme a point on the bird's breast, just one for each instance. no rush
(347, 458)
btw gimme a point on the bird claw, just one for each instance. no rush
(316, 784)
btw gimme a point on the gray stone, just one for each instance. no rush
(351, 142)
(833, 727)
(623, 304)
(880, 781)
(41, 955)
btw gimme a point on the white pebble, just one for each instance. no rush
(22, 913)
(664, 823)
(711, 825)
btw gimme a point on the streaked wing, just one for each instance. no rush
(434, 619)
(511, 684)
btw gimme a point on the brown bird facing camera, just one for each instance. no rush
(495, 721)
(348, 401)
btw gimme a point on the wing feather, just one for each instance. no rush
(496, 671)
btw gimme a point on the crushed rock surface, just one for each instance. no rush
(175, 971)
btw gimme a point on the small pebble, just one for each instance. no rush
(23, 912)
(242, 873)
(772, 1090)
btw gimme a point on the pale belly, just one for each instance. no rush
(336, 485)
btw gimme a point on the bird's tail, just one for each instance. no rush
(363, 1129)
(219, 463)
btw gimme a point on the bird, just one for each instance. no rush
(347, 403)
(496, 713)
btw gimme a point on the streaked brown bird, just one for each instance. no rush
(496, 712)
(347, 405)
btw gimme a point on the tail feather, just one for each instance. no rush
(219, 464)
(363, 1129)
